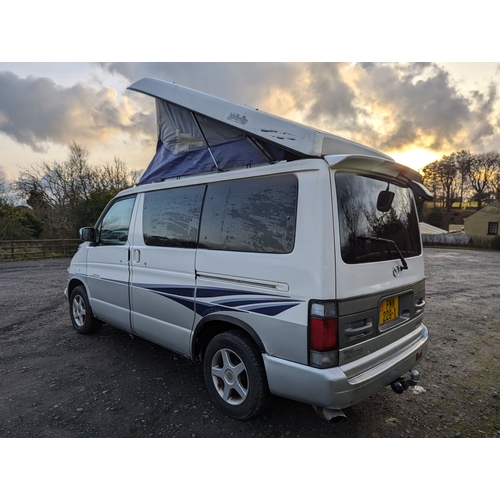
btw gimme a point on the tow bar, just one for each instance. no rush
(401, 384)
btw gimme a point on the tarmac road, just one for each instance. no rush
(56, 383)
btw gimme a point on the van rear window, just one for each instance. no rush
(250, 215)
(361, 222)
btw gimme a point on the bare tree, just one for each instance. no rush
(113, 177)
(3, 187)
(447, 173)
(7, 194)
(442, 177)
(453, 176)
(463, 160)
(430, 179)
(484, 169)
(495, 184)
(71, 193)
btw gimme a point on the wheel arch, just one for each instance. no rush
(73, 283)
(212, 325)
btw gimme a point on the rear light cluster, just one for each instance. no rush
(323, 334)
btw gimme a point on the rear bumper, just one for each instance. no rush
(331, 388)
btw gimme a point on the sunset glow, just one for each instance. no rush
(416, 158)
(414, 112)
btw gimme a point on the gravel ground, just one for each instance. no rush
(56, 383)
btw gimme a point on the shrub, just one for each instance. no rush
(435, 217)
(495, 243)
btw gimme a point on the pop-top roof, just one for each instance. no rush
(198, 133)
(292, 136)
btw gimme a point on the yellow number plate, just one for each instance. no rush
(389, 310)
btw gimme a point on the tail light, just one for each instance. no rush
(323, 334)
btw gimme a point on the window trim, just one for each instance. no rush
(491, 231)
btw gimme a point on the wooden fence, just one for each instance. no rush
(15, 250)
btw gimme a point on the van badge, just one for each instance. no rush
(395, 271)
(236, 117)
(353, 353)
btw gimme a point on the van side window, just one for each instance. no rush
(251, 215)
(114, 226)
(171, 216)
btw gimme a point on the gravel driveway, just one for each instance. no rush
(56, 383)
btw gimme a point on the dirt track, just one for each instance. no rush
(56, 383)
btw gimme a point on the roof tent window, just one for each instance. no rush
(190, 143)
(181, 130)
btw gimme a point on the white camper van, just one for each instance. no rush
(285, 259)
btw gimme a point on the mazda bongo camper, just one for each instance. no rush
(285, 259)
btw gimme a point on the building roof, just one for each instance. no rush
(428, 229)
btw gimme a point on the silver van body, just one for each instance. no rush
(303, 279)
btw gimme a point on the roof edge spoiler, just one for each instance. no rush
(420, 190)
(404, 174)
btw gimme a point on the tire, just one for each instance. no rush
(80, 311)
(235, 375)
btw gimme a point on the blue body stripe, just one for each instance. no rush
(188, 296)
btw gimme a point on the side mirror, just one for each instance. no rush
(384, 201)
(88, 234)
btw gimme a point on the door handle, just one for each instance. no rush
(137, 256)
(361, 330)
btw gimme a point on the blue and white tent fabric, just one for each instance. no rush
(199, 133)
(190, 143)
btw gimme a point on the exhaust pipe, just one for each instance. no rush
(397, 386)
(332, 416)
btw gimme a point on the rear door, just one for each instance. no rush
(379, 262)
(374, 245)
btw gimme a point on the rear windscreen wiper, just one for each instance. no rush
(373, 238)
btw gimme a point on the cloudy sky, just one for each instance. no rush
(415, 112)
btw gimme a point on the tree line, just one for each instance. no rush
(463, 176)
(53, 199)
